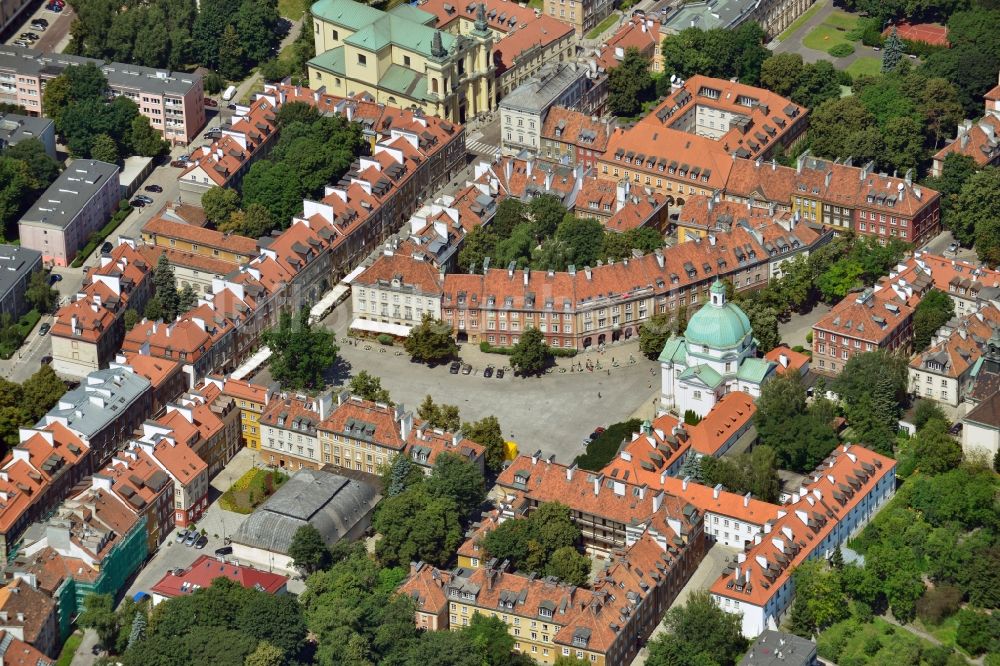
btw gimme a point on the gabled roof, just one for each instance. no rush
(207, 569)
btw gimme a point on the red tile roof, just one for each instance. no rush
(201, 236)
(870, 316)
(787, 359)
(206, 569)
(514, 15)
(411, 272)
(19, 653)
(635, 33)
(538, 33)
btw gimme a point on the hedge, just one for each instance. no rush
(24, 325)
(604, 448)
(487, 348)
(841, 50)
(98, 237)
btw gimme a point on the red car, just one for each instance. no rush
(211, 102)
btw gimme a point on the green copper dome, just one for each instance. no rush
(718, 324)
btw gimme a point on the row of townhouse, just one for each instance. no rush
(578, 308)
(978, 140)
(88, 332)
(353, 434)
(653, 541)
(968, 285)
(174, 102)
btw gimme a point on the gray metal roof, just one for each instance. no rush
(774, 648)
(15, 128)
(102, 397)
(62, 202)
(119, 75)
(15, 263)
(331, 503)
(542, 90)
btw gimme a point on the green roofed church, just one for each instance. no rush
(402, 60)
(716, 355)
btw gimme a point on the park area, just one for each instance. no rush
(251, 490)
(836, 29)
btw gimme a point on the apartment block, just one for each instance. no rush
(79, 202)
(166, 380)
(400, 59)
(29, 615)
(620, 208)
(16, 267)
(88, 332)
(860, 323)
(15, 128)
(208, 422)
(968, 285)
(774, 16)
(174, 102)
(583, 15)
(639, 33)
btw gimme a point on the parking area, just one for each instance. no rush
(52, 37)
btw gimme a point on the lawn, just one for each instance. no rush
(840, 19)
(251, 489)
(824, 36)
(602, 26)
(868, 65)
(292, 9)
(69, 649)
(800, 21)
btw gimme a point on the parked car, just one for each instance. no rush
(30, 35)
(211, 102)
(38, 27)
(46, 360)
(144, 199)
(39, 23)
(20, 42)
(44, 328)
(225, 550)
(455, 367)
(107, 247)
(191, 538)
(137, 203)
(956, 429)
(153, 188)
(500, 373)
(466, 369)
(55, 277)
(488, 372)
(181, 536)
(953, 247)
(178, 164)
(231, 107)
(201, 542)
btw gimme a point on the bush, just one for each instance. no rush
(385, 339)
(978, 632)
(871, 34)
(841, 50)
(809, 338)
(22, 327)
(691, 418)
(939, 603)
(605, 447)
(487, 348)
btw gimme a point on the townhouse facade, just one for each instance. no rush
(208, 422)
(943, 372)
(79, 202)
(36, 475)
(251, 399)
(107, 407)
(400, 59)
(583, 15)
(968, 285)
(144, 488)
(978, 140)
(87, 332)
(572, 137)
(185, 468)
(620, 208)
(29, 615)
(578, 308)
(172, 235)
(394, 293)
(860, 323)
(174, 102)
(840, 196)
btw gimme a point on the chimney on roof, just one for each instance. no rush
(658, 253)
(746, 500)
(774, 164)
(597, 483)
(716, 491)
(621, 194)
(529, 166)
(684, 483)
(569, 472)
(510, 269)
(587, 272)
(72, 324)
(526, 274)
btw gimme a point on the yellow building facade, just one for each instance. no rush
(402, 60)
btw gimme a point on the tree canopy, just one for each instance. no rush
(22, 405)
(720, 52)
(933, 311)
(546, 542)
(369, 387)
(300, 354)
(800, 434)
(530, 355)
(630, 84)
(25, 171)
(698, 633)
(431, 341)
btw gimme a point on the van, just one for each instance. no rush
(229, 94)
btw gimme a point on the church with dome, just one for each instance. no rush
(716, 355)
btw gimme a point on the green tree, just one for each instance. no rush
(40, 293)
(154, 309)
(368, 387)
(691, 467)
(975, 211)
(417, 526)
(308, 550)
(629, 84)
(892, 52)
(219, 203)
(186, 299)
(400, 474)
(213, 83)
(978, 632)
(41, 391)
(230, 54)
(99, 614)
(145, 140)
(486, 431)
(781, 73)
(926, 411)
(933, 311)
(445, 417)
(491, 638)
(546, 212)
(698, 633)
(455, 478)
(104, 149)
(569, 566)
(265, 654)
(431, 341)
(653, 335)
(583, 239)
(131, 319)
(530, 355)
(300, 354)
(166, 288)
(840, 127)
(934, 449)
(253, 222)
